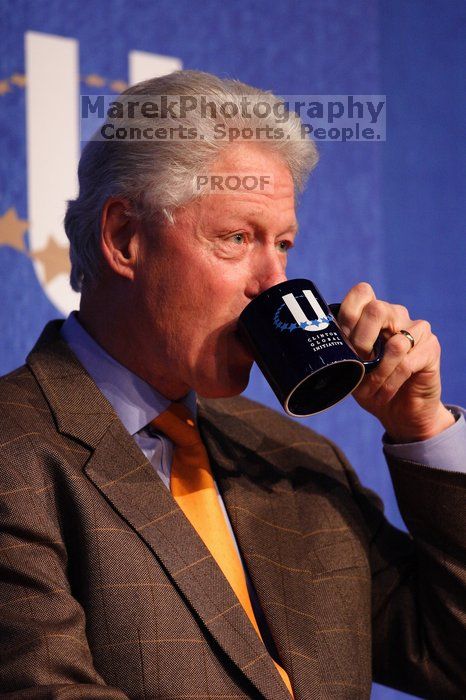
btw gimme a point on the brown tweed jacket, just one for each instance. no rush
(107, 591)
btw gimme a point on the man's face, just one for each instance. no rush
(195, 277)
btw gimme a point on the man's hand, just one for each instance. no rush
(404, 391)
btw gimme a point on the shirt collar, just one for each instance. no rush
(135, 402)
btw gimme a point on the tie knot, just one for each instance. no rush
(177, 423)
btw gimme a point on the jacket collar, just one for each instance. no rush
(79, 408)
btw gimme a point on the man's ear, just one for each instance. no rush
(119, 238)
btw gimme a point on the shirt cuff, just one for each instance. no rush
(447, 450)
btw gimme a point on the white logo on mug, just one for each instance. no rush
(300, 317)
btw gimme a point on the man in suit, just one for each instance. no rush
(111, 586)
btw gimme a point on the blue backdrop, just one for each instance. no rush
(387, 212)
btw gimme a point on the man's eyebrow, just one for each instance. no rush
(294, 228)
(253, 218)
(290, 230)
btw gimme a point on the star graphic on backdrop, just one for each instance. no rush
(4, 87)
(55, 259)
(94, 80)
(118, 85)
(12, 230)
(18, 79)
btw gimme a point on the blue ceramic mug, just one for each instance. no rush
(298, 345)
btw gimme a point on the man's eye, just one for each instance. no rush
(238, 238)
(284, 246)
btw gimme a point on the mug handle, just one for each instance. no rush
(369, 365)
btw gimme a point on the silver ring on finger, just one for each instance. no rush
(410, 338)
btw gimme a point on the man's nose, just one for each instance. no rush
(269, 270)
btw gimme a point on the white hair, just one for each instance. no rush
(158, 176)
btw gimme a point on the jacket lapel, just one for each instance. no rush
(123, 475)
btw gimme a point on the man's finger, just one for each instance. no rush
(352, 306)
(425, 357)
(395, 353)
(375, 317)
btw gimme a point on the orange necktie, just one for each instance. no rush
(192, 486)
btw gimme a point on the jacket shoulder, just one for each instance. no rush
(25, 415)
(19, 392)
